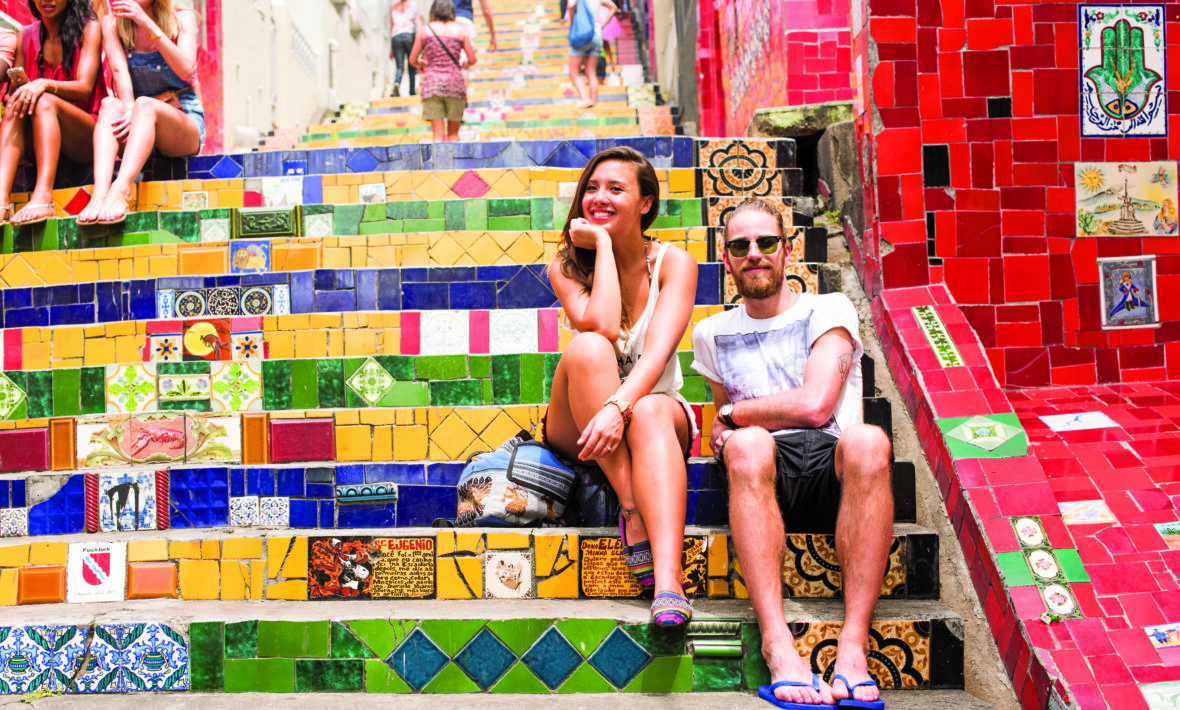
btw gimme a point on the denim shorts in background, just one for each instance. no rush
(592, 48)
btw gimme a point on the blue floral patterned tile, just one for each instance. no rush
(153, 657)
(552, 658)
(417, 660)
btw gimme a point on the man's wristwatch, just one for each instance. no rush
(725, 414)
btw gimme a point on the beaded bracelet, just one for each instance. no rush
(623, 406)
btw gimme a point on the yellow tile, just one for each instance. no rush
(98, 352)
(67, 342)
(199, 579)
(129, 348)
(469, 542)
(14, 556)
(210, 549)
(233, 579)
(348, 417)
(718, 588)
(379, 415)
(409, 443)
(190, 550)
(718, 555)
(295, 589)
(8, 587)
(456, 576)
(241, 548)
(354, 443)
(563, 586)
(209, 260)
(311, 343)
(295, 566)
(147, 550)
(383, 443)
(257, 581)
(507, 541)
(281, 344)
(48, 553)
(276, 553)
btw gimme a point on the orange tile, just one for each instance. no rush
(200, 262)
(61, 444)
(295, 258)
(41, 585)
(151, 580)
(255, 442)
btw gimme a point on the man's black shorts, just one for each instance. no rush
(807, 487)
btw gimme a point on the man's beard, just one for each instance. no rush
(761, 285)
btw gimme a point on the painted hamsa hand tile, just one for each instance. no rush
(1123, 70)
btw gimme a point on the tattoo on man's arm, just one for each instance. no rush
(845, 363)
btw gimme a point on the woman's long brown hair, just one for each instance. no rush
(577, 263)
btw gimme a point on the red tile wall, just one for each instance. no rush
(1002, 234)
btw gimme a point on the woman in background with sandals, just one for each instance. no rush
(151, 49)
(436, 51)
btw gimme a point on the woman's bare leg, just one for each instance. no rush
(106, 149)
(453, 130)
(592, 78)
(436, 128)
(58, 127)
(576, 76)
(12, 147)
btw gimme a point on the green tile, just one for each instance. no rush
(456, 393)
(665, 674)
(551, 360)
(505, 379)
(69, 234)
(65, 392)
(382, 227)
(586, 680)
(696, 389)
(451, 679)
(1016, 571)
(276, 385)
(92, 391)
(45, 236)
(424, 225)
(519, 634)
(542, 217)
(671, 207)
(21, 411)
(658, 640)
(192, 405)
(226, 212)
(380, 635)
(346, 219)
(304, 384)
(206, 656)
(519, 679)
(1071, 565)
(260, 675)
(454, 216)
(452, 635)
(8, 245)
(373, 213)
(586, 634)
(415, 209)
(532, 378)
(183, 368)
(441, 367)
(400, 366)
(560, 212)
(509, 224)
(331, 382)
(508, 206)
(39, 394)
(293, 639)
(753, 666)
(141, 221)
(185, 224)
(1014, 447)
(716, 674)
(335, 676)
(487, 390)
(380, 678)
(479, 365)
(476, 214)
(436, 209)
(241, 639)
(406, 394)
(345, 645)
(395, 210)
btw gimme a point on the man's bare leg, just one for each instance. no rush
(758, 539)
(864, 531)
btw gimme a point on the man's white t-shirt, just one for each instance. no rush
(754, 357)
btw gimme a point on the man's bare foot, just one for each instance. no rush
(851, 665)
(786, 664)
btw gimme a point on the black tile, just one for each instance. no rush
(999, 107)
(878, 411)
(905, 503)
(922, 566)
(936, 166)
(946, 653)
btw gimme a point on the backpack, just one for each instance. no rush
(582, 28)
(521, 483)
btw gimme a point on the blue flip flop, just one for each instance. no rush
(850, 702)
(766, 692)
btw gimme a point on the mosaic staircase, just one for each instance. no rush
(261, 388)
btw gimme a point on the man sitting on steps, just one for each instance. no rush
(785, 373)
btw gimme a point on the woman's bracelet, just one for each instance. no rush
(622, 405)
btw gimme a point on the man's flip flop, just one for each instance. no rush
(766, 692)
(851, 702)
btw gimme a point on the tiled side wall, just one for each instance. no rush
(981, 176)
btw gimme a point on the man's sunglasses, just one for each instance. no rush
(740, 248)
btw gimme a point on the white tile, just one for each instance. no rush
(243, 511)
(512, 331)
(1079, 421)
(14, 522)
(444, 333)
(274, 511)
(96, 572)
(508, 575)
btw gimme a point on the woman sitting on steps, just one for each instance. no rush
(53, 99)
(615, 398)
(152, 52)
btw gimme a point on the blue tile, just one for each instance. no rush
(415, 274)
(473, 295)
(26, 317)
(18, 297)
(260, 482)
(696, 474)
(325, 280)
(320, 490)
(296, 167)
(366, 290)
(262, 165)
(683, 153)
(86, 293)
(438, 156)
(708, 285)
(303, 513)
(237, 482)
(200, 497)
(328, 513)
(226, 168)
(389, 290)
(496, 273)
(63, 512)
(513, 156)
(450, 273)
(313, 189)
(17, 496)
(264, 279)
(78, 314)
(690, 505)
(361, 160)
(489, 149)
(55, 296)
(375, 514)
(552, 658)
(319, 474)
(395, 473)
(424, 296)
(202, 163)
(417, 660)
(290, 482)
(329, 161)
(345, 278)
(419, 506)
(619, 659)
(485, 659)
(335, 301)
(302, 292)
(4, 496)
(712, 508)
(107, 297)
(143, 299)
(525, 290)
(539, 150)
(444, 474)
(351, 473)
(714, 476)
(177, 282)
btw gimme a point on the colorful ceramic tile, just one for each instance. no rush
(1164, 635)
(371, 194)
(1078, 422)
(317, 225)
(165, 348)
(1170, 532)
(444, 333)
(286, 191)
(512, 331)
(938, 336)
(274, 511)
(224, 301)
(341, 567)
(215, 230)
(124, 439)
(370, 382)
(14, 522)
(190, 304)
(1122, 70)
(127, 500)
(246, 346)
(255, 301)
(130, 388)
(991, 436)
(984, 432)
(1085, 512)
(1059, 601)
(1125, 199)
(1129, 296)
(27, 655)
(1044, 566)
(11, 397)
(96, 572)
(165, 303)
(508, 575)
(249, 257)
(237, 386)
(405, 569)
(183, 388)
(1161, 696)
(218, 438)
(267, 222)
(195, 200)
(243, 511)
(154, 657)
(282, 299)
(1029, 532)
(207, 340)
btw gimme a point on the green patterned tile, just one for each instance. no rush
(451, 635)
(334, 676)
(937, 335)
(665, 674)
(276, 385)
(586, 680)
(984, 437)
(141, 221)
(380, 678)
(260, 675)
(586, 634)
(380, 635)
(13, 402)
(293, 639)
(183, 223)
(716, 674)
(519, 679)
(451, 679)
(267, 222)
(519, 634)
(206, 656)
(658, 640)
(241, 639)
(505, 379)
(65, 392)
(345, 645)
(183, 368)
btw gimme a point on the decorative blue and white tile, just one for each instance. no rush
(153, 657)
(11, 396)
(512, 331)
(281, 293)
(1129, 298)
(249, 257)
(165, 298)
(444, 333)
(317, 225)
(274, 511)
(190, 304)
(256, 301)
(1123, 70)
(165, 348)
(237, 387)
(101, 670)
(243, 511)
(96, 572)
(215, 230)
(130, 389)
(247, 346)
(14, 522)
(26, 658)
(1078, 422)
(508, 575)
(127, 501)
